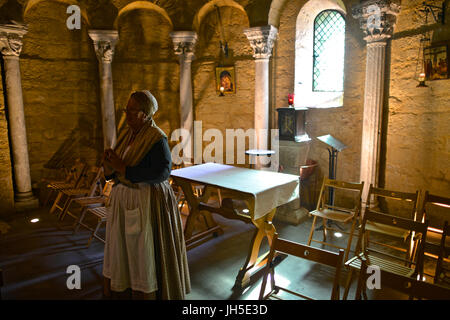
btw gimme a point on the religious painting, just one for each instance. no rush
(436, 62)
(225, 80)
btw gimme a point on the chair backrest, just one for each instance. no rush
(350, 188)
(406, 200)
(418, 230)
(93, 181)
(412, 287)
(444, 253)
(433, 205)
(317, 255)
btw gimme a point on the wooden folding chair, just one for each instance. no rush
(328, 211)
(394, 203)
(317, 255)
(435, 209)
(101, 213)
(87, 203)
(442, 272)
(411, 287)
(74, 176)
(381, 256)
(90, 187)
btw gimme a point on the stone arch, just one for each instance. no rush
(144, 59)
(304, 33)
(32, 3)
(141, 5)
(208, 7)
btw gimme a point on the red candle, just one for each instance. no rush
(291, 99)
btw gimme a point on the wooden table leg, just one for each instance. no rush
(254, 264)
(211, 226)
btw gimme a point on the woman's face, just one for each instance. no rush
(135, 115)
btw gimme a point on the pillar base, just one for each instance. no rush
(25, 201)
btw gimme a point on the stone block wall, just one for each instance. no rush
(343, 123)
(6, 184)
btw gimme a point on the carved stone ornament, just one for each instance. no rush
(11, 39)
(377, 18)
(262, 40)
(104, 44)
(184, 43)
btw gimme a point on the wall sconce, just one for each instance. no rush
(439, 15)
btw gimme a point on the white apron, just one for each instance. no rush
(129, 259)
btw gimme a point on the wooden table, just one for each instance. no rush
(262, 191)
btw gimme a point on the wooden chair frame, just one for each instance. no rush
(65, 196)
(436, 249)
(317, 255)
(412, 266)
(338, 214)
(393, 231)
(444, 253)
(412, 287)
(74, 177)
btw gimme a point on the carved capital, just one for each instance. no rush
(104, 44)
(184, 43)
(377, 18)
(11, 39)
(262, 40)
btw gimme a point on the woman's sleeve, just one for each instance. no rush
(155, 167)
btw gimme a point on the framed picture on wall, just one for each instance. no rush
(225, 80)
(436, 62)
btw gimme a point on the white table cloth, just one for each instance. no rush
(269, 189)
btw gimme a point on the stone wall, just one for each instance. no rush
(60, 91)
(62, 105)
(6, 184)
(344, 123)
(417, 121)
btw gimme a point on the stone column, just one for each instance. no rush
(184, 46)
(377, 19)
(262, 40)
(10, 47)
(104, 44)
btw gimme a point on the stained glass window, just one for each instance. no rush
(329, 48)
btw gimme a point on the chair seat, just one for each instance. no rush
(60, 185)
(76, 192)
(335, 215)
(388, 230)
(86, 201)
(385, 265)
(100, 212)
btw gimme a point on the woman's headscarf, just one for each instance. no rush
(147, 101)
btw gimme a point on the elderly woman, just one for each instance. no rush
(145, 249)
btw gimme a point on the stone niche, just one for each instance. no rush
(292, 155)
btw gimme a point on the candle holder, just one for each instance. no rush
(291, 99)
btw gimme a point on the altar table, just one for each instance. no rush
(262, 191)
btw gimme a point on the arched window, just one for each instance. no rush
(329, 48)
(319, 54)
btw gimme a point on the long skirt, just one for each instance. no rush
(145, 248)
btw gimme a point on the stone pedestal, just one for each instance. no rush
(184, 46)
(10, 47)
(292, 156)
(104, 44)
(377, 19)
(262, 41)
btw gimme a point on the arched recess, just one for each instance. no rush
(145, 59)
(32, 3)
(60, 89)
(232, 111)
(304, 51)
(210, 6)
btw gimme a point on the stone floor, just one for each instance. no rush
(35, 257)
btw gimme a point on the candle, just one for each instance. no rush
(290, 99)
